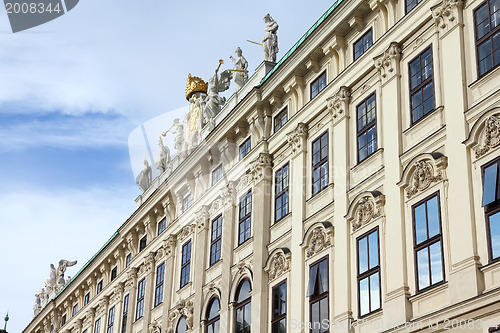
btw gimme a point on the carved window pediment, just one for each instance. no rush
(365, 207)
(423, 171)
(318, 237)
(485, 134)
(278, 263)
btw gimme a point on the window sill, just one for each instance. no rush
(492, 72)
(369, 158)
(214, 265)
(321, 193)
(428, 291)
(422, 119)
(184, 287)
(494, 264)
(243, 245)
(371, 316)
(284, 217)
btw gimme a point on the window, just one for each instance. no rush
(363, 44)
(320, 163)
(143, 243)
(97, 326)
(111, 320)
(367, 127)
(281, 193)
(114, 273)
(281, 119)
(160, 277)
(127, 261)
(243, 307)
(86, 299)
(216, 239)
(421, 86)
(369, 295)
(99, 287)
(75, 310)
(318, 85)
(410, 4)
(245, 148)
(125, 314)
(278, 322)
(186, 263)
(51, 328)
(162, 225)
(245, 218)
(216, 174)
(487, 22)
(318, 296)
(428, 242)
(491, 204)
(213, 316)
(141, 287)
(85, 331)
(181, 325)
(63, 320)
(186, 202)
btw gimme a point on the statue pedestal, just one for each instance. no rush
(268, 65)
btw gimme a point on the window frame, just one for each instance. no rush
(245, 148)
(86, 299)
(278, 195)
(162, 225)
(320, 163)
(99, 287)
(492, 208)
(369, 272)
(185, 277)
(367, 127)
(143, 243)
(417, 2)
(160, 280)
(216, 240)
(427, 243)
(280, 317)
(125, 313)
(74, 311)
(63, 320)
(361, 39)
(243, 219)
(489, 35)
(111, 320)
(421, 85)
(215, 171)
(242, 304)
(187, 202)
(317, 80)
(114, 273)
(128, 259)
(212, 321)
(141, 291)
(97, 325)
(317, 298)
(278, 119)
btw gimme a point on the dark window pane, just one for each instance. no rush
(484, 54)
(313, 276)
(323, 305)
(482, 21)
(243, 292)
(374, 292)
(490, 184)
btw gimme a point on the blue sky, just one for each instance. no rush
(72, 91)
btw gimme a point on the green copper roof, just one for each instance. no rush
(302, 40)
(88, 263)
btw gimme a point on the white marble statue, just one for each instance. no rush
(144, 178)
(63, 264)
(163, 160)
(52, 276)
(179, 140)
(270, 41)
(240, 69)
(38, 305)
(213, 102)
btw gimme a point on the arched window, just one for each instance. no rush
(181, 325)
(213, 317)
(243, 307)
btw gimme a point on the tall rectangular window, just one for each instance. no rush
(318, 84)
(369, 294)
(487, 24)
(421, 85)
(86, 299)
(75, 310)
(63, 320)
(428, 242)
(318, 296)
(162, 225)
(186, 202)
(127, 261)
(141, 288)
(320, 163)
(281, 193)
(281, 119)
(114, 273)
(363, 44)
(160, 278)
(125, 314)
(367, 127)
(245, 148)
(216, 174)
(245, 215)
(216, 240)
(99, 287)
(143, 242)
(185, 263)
(491, 204)
(97, 326)
(111, 320)
(278, 322)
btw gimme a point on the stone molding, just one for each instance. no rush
(422, 171)
(117, 293)
(260, 167)
(186, 232)
(317, 238)
(338, 104)
(278, 263)
(201, 218)
(387, 64)
(148, 264)
(484, 135)
(169, 245)
(131, 279)
(155, 326)
(297, 138)
(183, 308)
(447, 12)
(228, 195)
(364, 208)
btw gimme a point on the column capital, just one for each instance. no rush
(447, 14)
(387, 64)
(297, 139)
(260, 166)
(228, 195)
(338, 104)
(201, 218)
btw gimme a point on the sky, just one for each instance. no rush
(71, 93)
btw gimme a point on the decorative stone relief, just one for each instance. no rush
(185, 232)
(201, 217)
(102, 306)
(169, 245)
(387, 64)
(491, 136)
(318, 238)
(446, 12)
(338, 104)
(148, 264)
(131, 277)
(422, 171)
(183, 308)
(366, 207)
(297, 138)
(155, 326)
(244, 182)
(160, 254)
(278, 263)
(117, 293)
(260, 167)
(228, 195)
(215, 207)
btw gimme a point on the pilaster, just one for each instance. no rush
(147, 271)
(169, 248)
(202, 225)
(131, 288)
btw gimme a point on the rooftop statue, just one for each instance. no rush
(63, 264)
(144, 178)
(240, 69)
(270, 41)
(179, 139)
(163, 160)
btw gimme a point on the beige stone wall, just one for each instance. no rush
(376, 192)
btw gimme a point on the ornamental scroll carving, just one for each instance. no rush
(201, 217)
(278, 263)
(148, 264)
(183, 308)
(169, 245)
(185, 232)
(318, 237)
(338, 104)
(491, 136)
(117, 293)
(366, 207)
(131, 277)
(446, 11)
(155, 326)
(296, 138)
(245, 181)
(260, 167)
(423, 171)
(387, 63)
(228, 195)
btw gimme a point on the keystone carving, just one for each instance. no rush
(318, 238)
(366, 207)
(278, 264)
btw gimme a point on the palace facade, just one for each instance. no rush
(351, 187)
